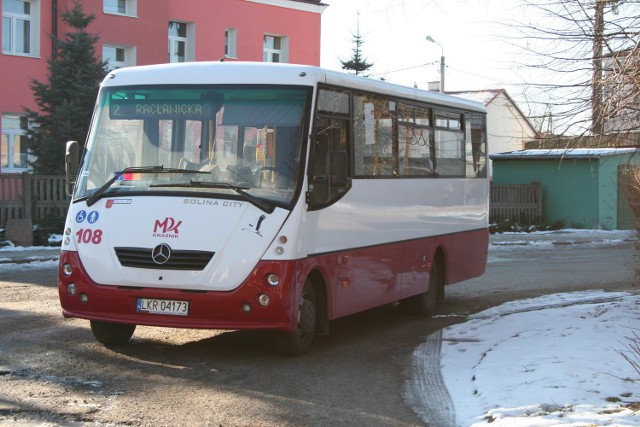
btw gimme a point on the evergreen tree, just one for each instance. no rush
(357, 63)
(66, 102)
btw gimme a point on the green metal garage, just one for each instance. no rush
(579, 186)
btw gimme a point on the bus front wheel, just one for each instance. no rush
(298, 342)
(112, 333)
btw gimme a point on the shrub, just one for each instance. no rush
(51, 224)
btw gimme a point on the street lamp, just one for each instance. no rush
(430, 39)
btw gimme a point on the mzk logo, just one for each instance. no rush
(166, 228)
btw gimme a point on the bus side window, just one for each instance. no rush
(329, 168)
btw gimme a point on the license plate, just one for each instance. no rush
(163, 306)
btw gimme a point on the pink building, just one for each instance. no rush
(142, 32)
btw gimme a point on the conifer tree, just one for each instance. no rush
(357, 63)
(65, 102)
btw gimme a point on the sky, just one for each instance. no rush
(487, 44)
(395, 31)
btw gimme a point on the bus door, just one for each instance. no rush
(361, 284)
(329, 166)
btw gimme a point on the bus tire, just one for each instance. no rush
(112, 333)
(425, 303)
(299, 342)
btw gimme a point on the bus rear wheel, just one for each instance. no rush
(425, 303)
(299, 342)
(112, 333)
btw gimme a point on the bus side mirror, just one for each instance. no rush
(71, 166)
(339, 169)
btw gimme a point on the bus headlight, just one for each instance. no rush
(71, 289)
(263, 299)
(273, 279)
(67, 269)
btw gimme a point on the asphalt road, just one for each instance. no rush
(52, 371)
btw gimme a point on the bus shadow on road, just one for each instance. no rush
(375, 327)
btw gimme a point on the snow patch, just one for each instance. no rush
(547, 361)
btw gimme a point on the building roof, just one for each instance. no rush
(484, 96)
(574, 153)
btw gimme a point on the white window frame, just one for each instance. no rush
(189, 41)
(10, 133)
(283, 52)
(129, 56)
(34, 30)
(231, 43)
(130, 7)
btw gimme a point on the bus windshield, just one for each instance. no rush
(242, 141)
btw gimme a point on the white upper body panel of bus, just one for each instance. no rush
(201, 73)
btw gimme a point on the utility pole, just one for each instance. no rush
(432, 40)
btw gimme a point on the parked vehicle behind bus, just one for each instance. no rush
(269, 196)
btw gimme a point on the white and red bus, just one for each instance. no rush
(269, 196)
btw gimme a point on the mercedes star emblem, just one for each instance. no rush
(161, 254)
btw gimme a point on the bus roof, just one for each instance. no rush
(272, 73)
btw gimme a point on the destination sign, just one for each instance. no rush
(128, 109)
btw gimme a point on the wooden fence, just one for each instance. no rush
(27, 196)
(521, 203)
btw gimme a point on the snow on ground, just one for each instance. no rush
(55, 239)
(565, 237)
(32, 264)
(21, 258)
(555, 360)
(10, 247)
(548, 361)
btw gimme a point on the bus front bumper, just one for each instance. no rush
(253, 305)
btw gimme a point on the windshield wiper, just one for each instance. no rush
(257, 202)
(97, 195)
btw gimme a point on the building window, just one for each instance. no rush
(275, 49)
(21, 27)
(230, 43)
(180, 47)
(120, 7)
(118, 56)
(14, 148)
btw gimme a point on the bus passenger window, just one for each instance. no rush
(416, 145)
(476, 145)
(449, 155)
(375, 143)
(449, 144)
